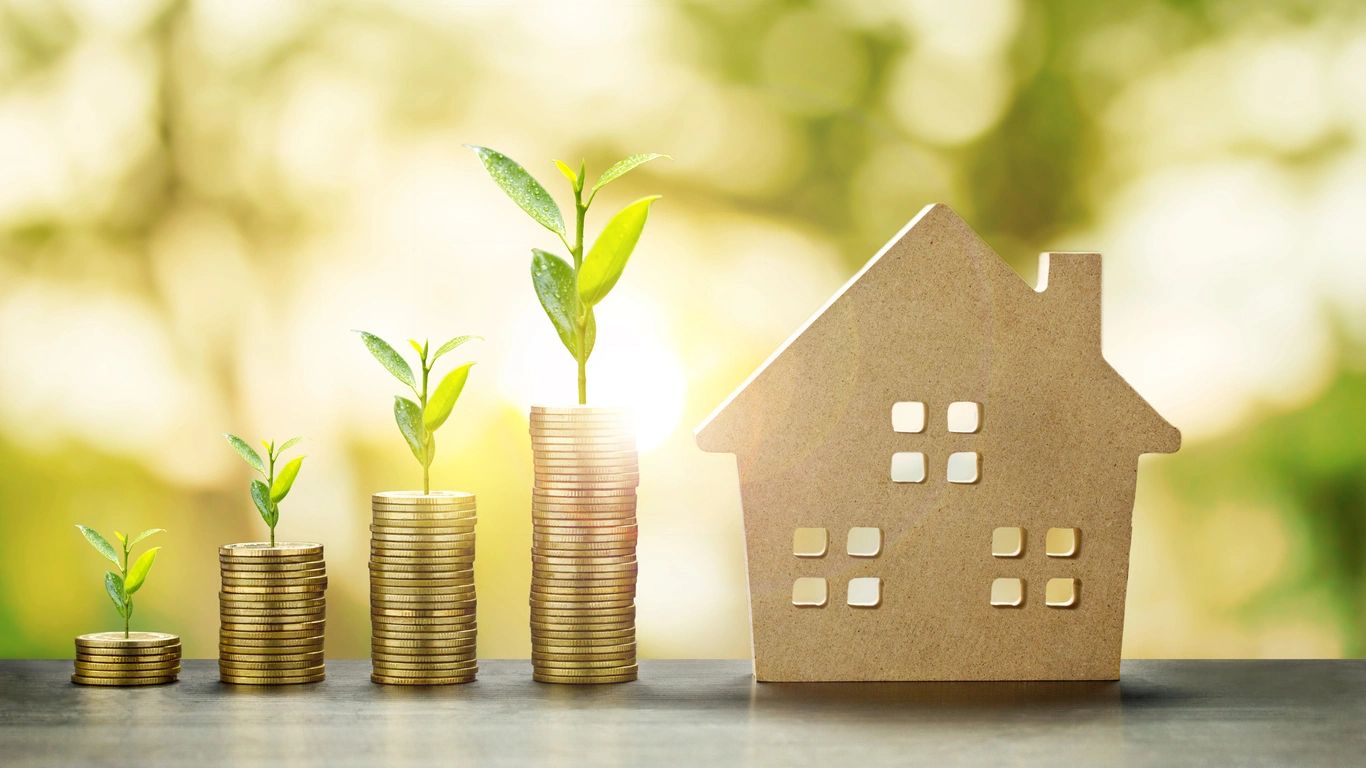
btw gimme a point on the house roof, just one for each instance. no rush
(940, 251)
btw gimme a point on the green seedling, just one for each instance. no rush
(418, 421)
(267, 493)
(569, 292)
(128, 580)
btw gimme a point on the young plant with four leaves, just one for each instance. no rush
(267, 493)
(129, 579)
(570, 291)
(418, 421)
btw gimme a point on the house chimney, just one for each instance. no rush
(1070, 283)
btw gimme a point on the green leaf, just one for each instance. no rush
(100, 544)
(524, 190)
(569, 174)
(389, 358)
(409, 418)
(553, 280)
(452, 344)
(285, 480)
(624, 166)
(443, 400)
(417, 348)
(603, 265)
(260, 495)
(248, 454)
(290, 443)
(122, 539)
(149, 532)
(138, 572)
(113, 585)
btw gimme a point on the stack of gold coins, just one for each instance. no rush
(135, 658)
(422, 604)
(272, 611)
(583, 549)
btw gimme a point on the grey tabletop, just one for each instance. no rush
(696, 713)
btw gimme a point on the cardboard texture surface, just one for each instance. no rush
(936, 317)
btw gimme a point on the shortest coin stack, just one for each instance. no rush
(138, 658)
(422, 601)
(272, 612)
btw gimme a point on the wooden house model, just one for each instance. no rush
(937, 473)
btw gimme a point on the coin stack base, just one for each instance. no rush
(272, 612)
(119, 659)
(583, 549)
(422, 599)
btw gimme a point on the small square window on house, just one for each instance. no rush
(865, 592)
(809, 591)
(965, 417)
(865, 542)
(1060, 593)
(1062, 542)
(809, 542)
(908, 467)
(908, 417)
(964, 467)
(1007, 542)
(1007, 593)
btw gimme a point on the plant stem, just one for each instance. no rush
(270, 483)
(127, 598)
(580, 316)
(426, 436)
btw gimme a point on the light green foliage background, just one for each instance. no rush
(200, 199)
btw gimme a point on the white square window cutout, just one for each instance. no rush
(965, 417)
(809, 592)
(808, 542)
(908, 417)
(864, 542)
(964, 467)
(1007, 593)
(865, 592)
(908, 467)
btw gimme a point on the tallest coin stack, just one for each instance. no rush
(583, 552)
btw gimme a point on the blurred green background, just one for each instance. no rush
(198, 200)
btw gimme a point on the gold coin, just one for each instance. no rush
(84, 680)
(579, 495)
(562, 624)
(419, 499)
(270, 608)
(615, 428)
(615, 637)
(225, 633)
(573, 647)
(407, 668)
(581, 582)
(315, 625)
(617, 608)
(454, 589)
(240, 649)
(445, 680)
(157, 658)
(314, 571)
(581, 519)
(284, 592)
(397, 643)
(423, 512)
(268, 644)
(388, 656)
(572, 535)
(421, 627)
(421, 536)
(83, 667)
(604, 665)
(270, 668)
(277, 680)
(554, 560)
(418, 561)
(585, 552)
(416, 550)
(613, 444)
(542, 653)
(463, 576)
(245, 566)
(226, 617)
(130, 640)
(452, 581)
(104, 674)
(263, 549)
(553, 484)
(312, 582)
(546, 677)
(269, 658)
(591, 672)
(135, 653)
(422, 531)
(416, 634)
(594, 599)
(451, 607)
(423, 602)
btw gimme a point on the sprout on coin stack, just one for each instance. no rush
(583, 549)
(422, 599)
(127, 657)
(272, 604)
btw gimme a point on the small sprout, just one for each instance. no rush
(569, 292)
(121, 585)
(418, 421)
(271, 488)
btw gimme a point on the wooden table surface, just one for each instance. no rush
(1163, 713)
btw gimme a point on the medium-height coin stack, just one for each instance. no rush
(422, 603)
(583, 549)
(272, 611)
(141, 658)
